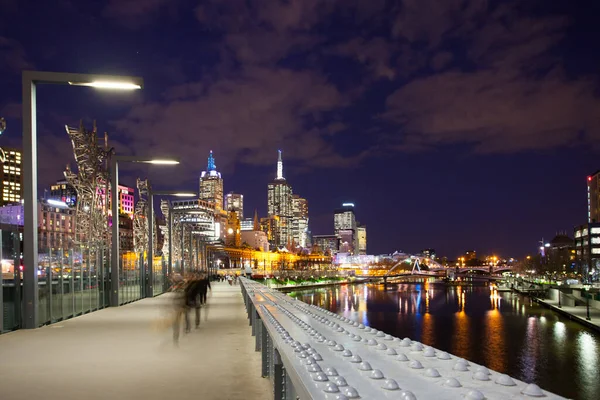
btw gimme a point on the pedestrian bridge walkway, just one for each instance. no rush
(127, 353)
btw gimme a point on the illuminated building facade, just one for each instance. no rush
(327, 244)
(247, 224)
(300, 221)
(232, 232)
(344, 225)
(63, 191)
(593, 197)
(279, 206)
(361, 232)
(235, 202)
(255, 239)
(211, 184)
(587, 250)
(56, 225)
(12, 178)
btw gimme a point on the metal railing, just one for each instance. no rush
(312, 353)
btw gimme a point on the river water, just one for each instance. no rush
(503, 331)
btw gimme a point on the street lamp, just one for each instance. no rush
(151, 194)
(114, 187)
(587, 297)
(30, 80)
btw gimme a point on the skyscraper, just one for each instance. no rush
(344, 225)
(63, 191)
(300, 220)
(593, 197)
(211, 184)
(235, 202)
(12, 180)
(279, 206)
(361, 233)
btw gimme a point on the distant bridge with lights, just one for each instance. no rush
(410, 265)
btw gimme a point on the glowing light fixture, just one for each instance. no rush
(163, 162)
(57, 203)
(108, 85)
(347, 204)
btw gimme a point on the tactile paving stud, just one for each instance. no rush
(432, 373)
(415, 364)
(429, 352)
(338, 347)
(407, 395)
(417, 347)
(505, 380)
(364, 366)
(402, 357)
(533, 390)
(390, 384)
(313, 368)
(405, 343)
(481, 376)
(460, 366)
(350, 392)
(390, 352)
(346, 353)
(331, 387)
(483, 370)
(319, 377)
(330, 371)
(372, 342)
(381, 346)
(474, 395)
(376, 374)
(444, 356)
(355, 359)
(339, 380)
(452, 382)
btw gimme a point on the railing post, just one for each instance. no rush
(259, 333)
(266, 353)
(279, 377)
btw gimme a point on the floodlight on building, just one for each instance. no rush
(56, 203)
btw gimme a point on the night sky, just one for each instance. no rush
(450, 124)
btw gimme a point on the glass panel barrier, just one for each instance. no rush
(158, 276)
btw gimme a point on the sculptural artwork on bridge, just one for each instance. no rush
(140, 218)
(2, 129)
(165, 209)
(90, 183)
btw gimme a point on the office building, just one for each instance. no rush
(361, 232)
(300, 221)
(279, 207)
(428, 253)
(211, 184)
(247, 224)
(593, 197)
(326, 244)
(235, 202)
(63, 191)
(11, 183)
(56, 226)
(587, 250)
(344, 225)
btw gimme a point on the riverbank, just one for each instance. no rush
(293, 285)
(574, 313)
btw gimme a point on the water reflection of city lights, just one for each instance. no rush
(559, 331)
(588, 353)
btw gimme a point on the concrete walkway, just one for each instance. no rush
(124, 353)
(578, 313)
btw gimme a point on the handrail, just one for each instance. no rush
(312, 353)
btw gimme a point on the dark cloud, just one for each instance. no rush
(13, 58)
(137, 13)
(245, 117)
(514, 96)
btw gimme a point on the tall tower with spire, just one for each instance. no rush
(279, 205)
(211, 184)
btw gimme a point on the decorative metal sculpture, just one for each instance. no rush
(140, 218)
(165, 209)
(90, 183)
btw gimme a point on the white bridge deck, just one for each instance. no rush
(327, 356)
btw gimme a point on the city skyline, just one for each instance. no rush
(366, 119)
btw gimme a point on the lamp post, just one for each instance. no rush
(114, 187)
(151, 194)
(587, 297)
(30, 80)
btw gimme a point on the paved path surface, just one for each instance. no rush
(577, 313)
(122, 353)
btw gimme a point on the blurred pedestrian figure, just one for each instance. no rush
(204, 287)
(192, 292)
